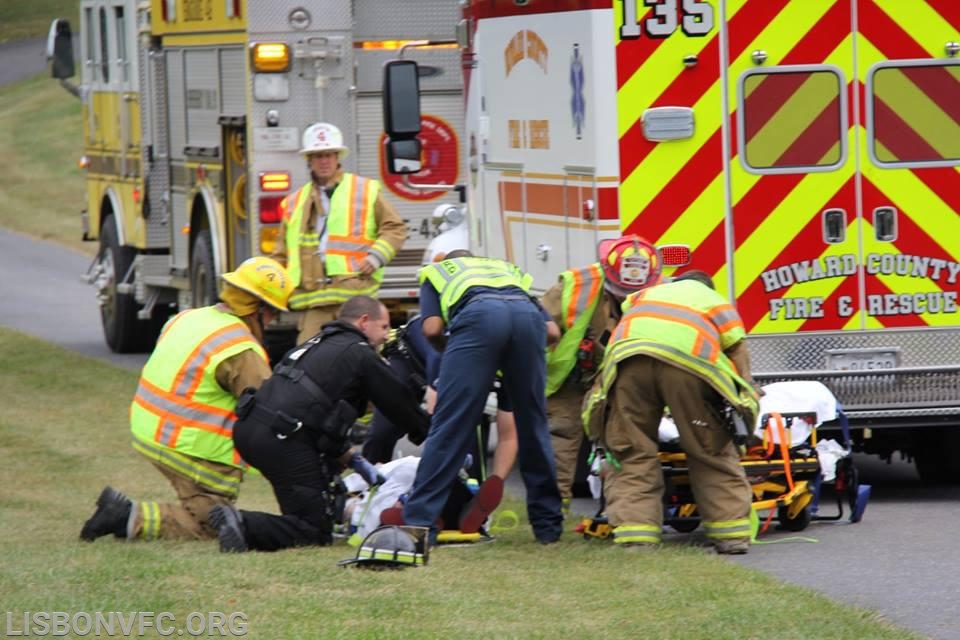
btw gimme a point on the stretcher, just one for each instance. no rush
(788, 468)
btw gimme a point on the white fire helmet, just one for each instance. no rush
(323, 136)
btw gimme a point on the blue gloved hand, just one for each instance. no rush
(366, 470)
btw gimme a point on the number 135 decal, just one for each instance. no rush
(695, 18)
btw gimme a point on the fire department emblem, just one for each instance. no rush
(578, 102)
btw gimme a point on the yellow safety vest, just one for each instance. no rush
(582, 290)
(180, 410)
(351, 228)
(688, 325)
(453, 278)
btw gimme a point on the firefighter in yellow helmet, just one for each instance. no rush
(585, 304)
(183, 413)
(679, 345)
(337, 233)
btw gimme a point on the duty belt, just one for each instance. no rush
(282, 424)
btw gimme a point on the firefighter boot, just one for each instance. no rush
(229, 525)
(733, 546)
(111, 516)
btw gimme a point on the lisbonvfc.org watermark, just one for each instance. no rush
(120, 624)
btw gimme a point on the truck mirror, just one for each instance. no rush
(403, 156)
(401, 99)
(60, 49)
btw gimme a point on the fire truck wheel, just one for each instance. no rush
(203, 274)
(938, 457)
(124, 332)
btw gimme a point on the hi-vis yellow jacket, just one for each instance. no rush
(360, 222)
(453, 278)
(686, 324)
(579, 297)
(180, 411)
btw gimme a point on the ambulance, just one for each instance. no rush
(806, 150)
(193, 113)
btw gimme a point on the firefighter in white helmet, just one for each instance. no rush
(338, 232)
(680, 345)
(585, 304)
(183, 412)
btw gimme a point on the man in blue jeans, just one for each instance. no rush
(481, 311)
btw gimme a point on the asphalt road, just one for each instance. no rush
(22, 59)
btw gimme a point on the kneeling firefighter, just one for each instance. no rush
(294, 429)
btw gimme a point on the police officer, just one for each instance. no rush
(682, 345)
(337, 233)
(294, 429)
(585, 304)
(183, 412)
(493, 324)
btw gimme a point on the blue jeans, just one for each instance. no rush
(488, 334)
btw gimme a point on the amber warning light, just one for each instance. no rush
(270, 57)
(275, 181)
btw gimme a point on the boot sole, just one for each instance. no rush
(229, 532)
(107, 495)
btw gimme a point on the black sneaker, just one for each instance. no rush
(111, 516)
(229, 525)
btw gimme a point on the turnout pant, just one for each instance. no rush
(303, 484)
(566, 434)
(643, 388)
(487, 334)
(186, 520)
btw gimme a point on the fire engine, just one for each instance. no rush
(806, 150)
(193, 112)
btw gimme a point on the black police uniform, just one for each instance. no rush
(294, 428)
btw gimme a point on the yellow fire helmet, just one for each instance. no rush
(264, 278)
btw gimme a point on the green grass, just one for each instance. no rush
(64, 434)
(41, 186)
(31, 18)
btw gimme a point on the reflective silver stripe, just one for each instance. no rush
(632, 347)
(725, 315)
(222, 484)
(687, 317)
(194, 414)
(167, 431)
(195, 367)
(342, 245)
(728, 529)
(584, 278)
(470, 278)
(325, 297)
(359, 188)
(650, 534)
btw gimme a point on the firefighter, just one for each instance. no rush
(493, 324)
(294, 429)
(182, 415)
(337, 234)
(585, 304)
(679, 344)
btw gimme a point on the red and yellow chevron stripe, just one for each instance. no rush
(680, 191)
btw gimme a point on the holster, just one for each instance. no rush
(332, 432)
(281, 423)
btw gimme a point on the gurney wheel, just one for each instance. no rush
(797, 523)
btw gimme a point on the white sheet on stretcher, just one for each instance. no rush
(799, 396)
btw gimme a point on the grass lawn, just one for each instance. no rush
(31, 18)
(64, 434)
(41, 186)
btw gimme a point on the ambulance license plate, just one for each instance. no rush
(863, 359)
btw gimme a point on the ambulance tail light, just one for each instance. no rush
(270, 57)
(270, 210)
(675, 255)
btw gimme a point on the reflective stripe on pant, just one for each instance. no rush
(486, 335)
(644, 386)
(186, 520)
(637, 534)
